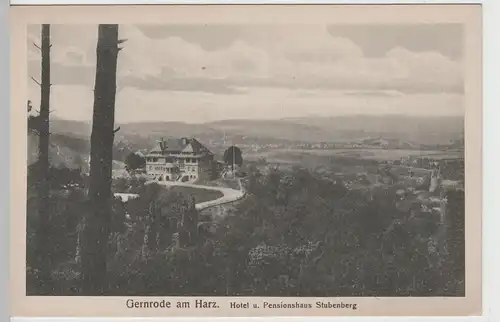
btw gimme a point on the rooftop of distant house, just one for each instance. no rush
(179, 145)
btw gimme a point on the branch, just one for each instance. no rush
(116, 130)
(34, 44)
(36, 81)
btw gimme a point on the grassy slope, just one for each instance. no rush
(200, 194)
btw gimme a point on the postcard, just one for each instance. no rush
(246, 160)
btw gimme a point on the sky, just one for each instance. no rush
(202, 73)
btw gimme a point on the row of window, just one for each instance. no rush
(172, 160)
(194, 161)
(165, 169)
(160, 168)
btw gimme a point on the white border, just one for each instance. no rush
(4, 161)
(156, 2)
(491, 148)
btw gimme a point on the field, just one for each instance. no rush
(296, 155)
(200, 194)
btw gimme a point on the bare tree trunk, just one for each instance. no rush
(152, 244)
(145, 249)
(80, 228)
(193, 222)
(43, 248)
(98, 226)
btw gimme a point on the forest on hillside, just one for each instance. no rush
(295, 234)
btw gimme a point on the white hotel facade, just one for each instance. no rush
(184, 159)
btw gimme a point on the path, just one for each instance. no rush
(229, 194)
(126, 196)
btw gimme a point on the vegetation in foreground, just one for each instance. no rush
(296, 234)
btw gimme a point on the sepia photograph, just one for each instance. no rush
(315, 160)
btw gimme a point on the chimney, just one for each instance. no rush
(184, 141)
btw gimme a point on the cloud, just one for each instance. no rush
(432, 68)
(208, 37)
(377, 39)
(177, 65)
(319, 51)
(71, 44)
(72, 54)
(290, 57)
(166, 80)
(145, 56)
(62, 74)
(73, 102)
(306, 58)
(134, 105)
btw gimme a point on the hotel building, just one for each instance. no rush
(184, 159)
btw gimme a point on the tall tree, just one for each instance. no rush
(134, 161)
(43, 234)
(233, 156)
(97, 229)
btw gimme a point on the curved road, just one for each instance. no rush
(229, 194)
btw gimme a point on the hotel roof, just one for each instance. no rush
(175, 145)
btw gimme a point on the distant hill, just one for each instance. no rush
(71, 151)
(276, 129)
(71, 128)
(71, 139)
(420, 130)
(415, 129)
